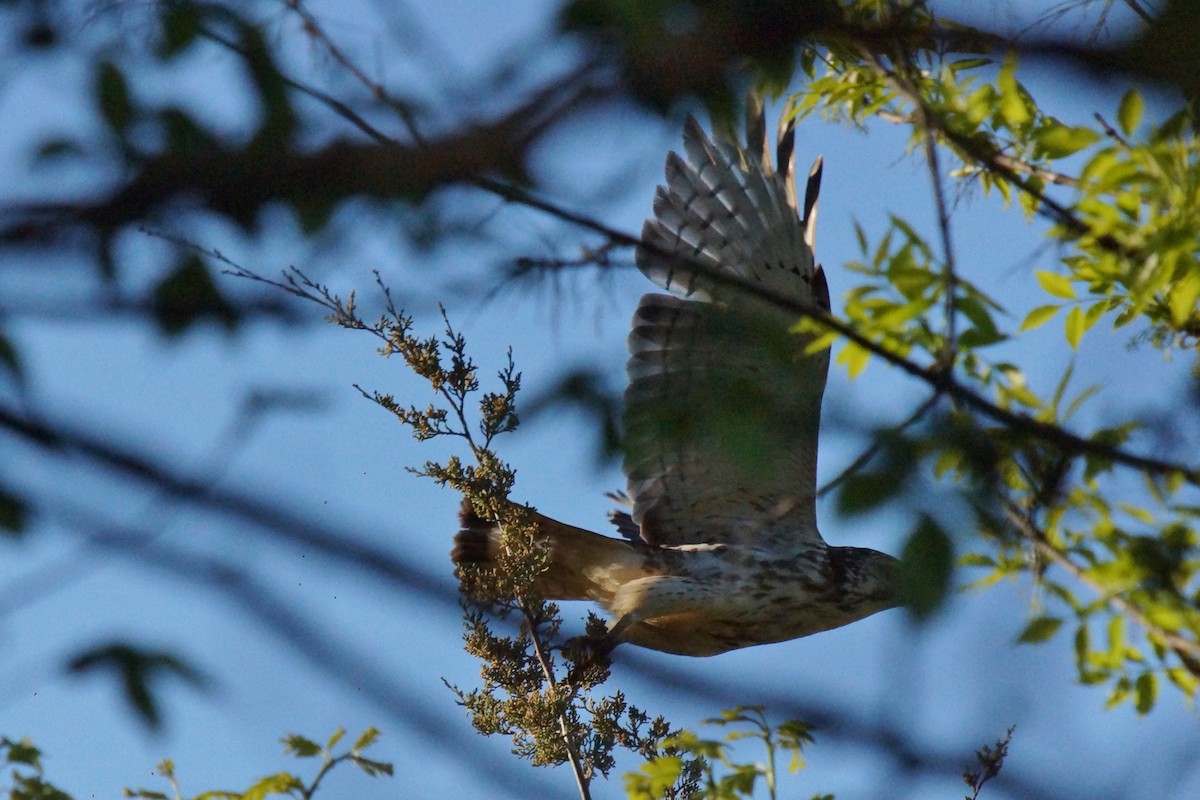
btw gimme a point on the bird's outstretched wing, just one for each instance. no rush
(723, 404)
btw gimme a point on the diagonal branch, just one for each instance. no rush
(939, 378)
(581, 778)
(275, 522)
(1187, 649)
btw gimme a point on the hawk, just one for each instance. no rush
(721, 548)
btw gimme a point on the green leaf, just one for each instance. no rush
(23, 752)
(855, 358)
(300, 747)
(1012, 100)
(1055, 284)
(1182, 299)
(1039, 316)
(655, 779)
(1145, 692)
(1074, 327)
(280, 783)
(1057, 140)
(368, 737)
(372, 767)
(1185, 680)
(1129, 113)
(1040, 630)
(925, 568)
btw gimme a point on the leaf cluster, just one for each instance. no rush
(1118, 199)
(284, 784)
(720, 775)
(24, 760)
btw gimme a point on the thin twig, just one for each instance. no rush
(971, 149)
(949, 355)
(312, 26)
(581, 779)
(1110, 131)
(866, 455)
(1008, 162)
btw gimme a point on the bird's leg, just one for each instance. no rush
(593, 650)
(617, 628)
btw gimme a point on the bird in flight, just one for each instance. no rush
(721, 548)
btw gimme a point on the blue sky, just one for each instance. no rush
(950, 686)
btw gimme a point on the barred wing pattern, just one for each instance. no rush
(723, 405)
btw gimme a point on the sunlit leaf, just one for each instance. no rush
(654, 779)
(1055, 284)
(1182, 299)
(1013, 107)
(1058, 141)
(1039, 316)
(368, 737)
(1129, 112)
(1074, 327)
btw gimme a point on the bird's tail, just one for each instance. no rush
(581, 566)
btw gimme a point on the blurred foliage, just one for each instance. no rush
(284, 784)
(24, 762)
(722, 777)
(138, 671)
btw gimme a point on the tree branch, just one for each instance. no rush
(1187, 650)
(277, 523)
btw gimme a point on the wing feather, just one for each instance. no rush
(723, 405)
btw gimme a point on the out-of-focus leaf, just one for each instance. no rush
(368, 738)
(1182, 299)
(1013, 107)
(14, 513)
(1129, 113)
(1074, 327)
(1040, 630)
(189, 295)
(300, 747)
(10, 362)
(112, 97)
(138, 669)
(1055, 284)
(180, 27)
(279, 118)
(1038, 317)
(1058, 141)
(654, 778)
(53, 149)
(925, 568)
(1145, 692)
